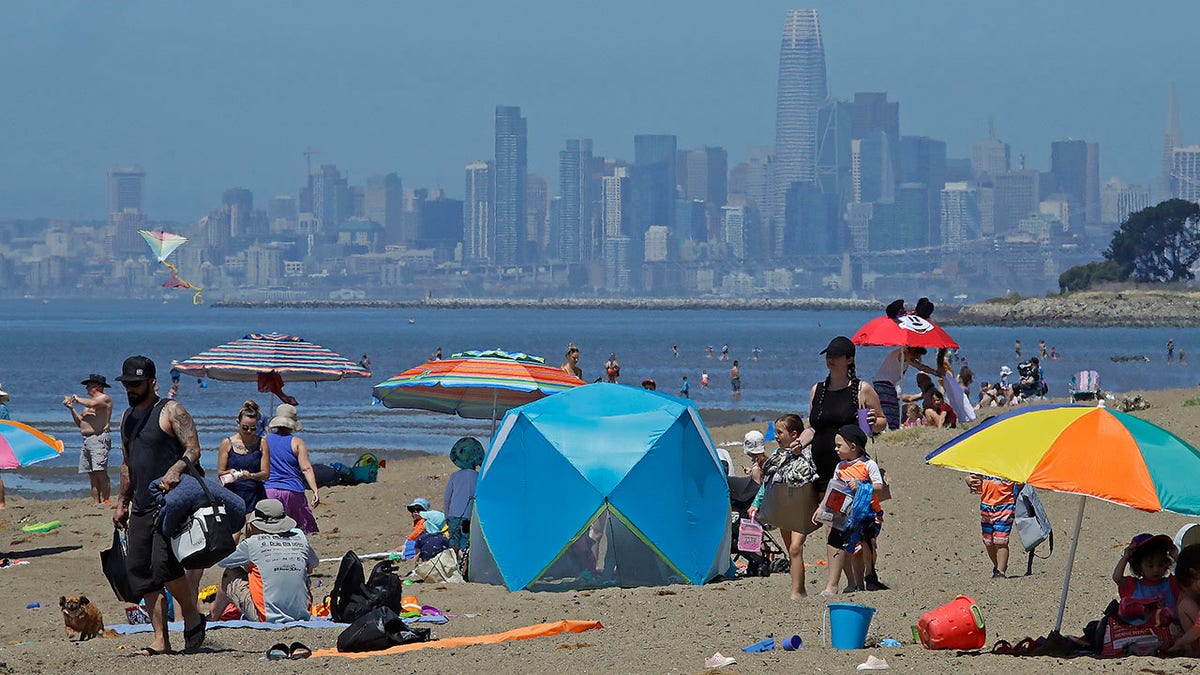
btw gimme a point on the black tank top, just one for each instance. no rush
(831, 410)
(151, 452)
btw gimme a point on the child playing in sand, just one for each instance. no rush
(1187, 578)
(912, 416)
(854, 469)
(1151, 596)
(997, 506)
(433, 540)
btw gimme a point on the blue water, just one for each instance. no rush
(45, 349)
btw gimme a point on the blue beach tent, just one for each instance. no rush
(601, 485)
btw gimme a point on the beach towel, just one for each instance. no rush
(132, 628)
(523, 633)
(958, 399)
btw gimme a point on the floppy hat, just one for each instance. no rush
(420, 503)
(269, 517)
(435, 521)
(467, 453)
(96, 378)
(285, 416)
(137, 369)
(754, 443)
(839, 346)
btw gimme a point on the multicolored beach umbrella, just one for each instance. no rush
(1093, 452)
(292, 358)
(22, 445)
(474, 384)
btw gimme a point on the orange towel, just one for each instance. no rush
(523, 633)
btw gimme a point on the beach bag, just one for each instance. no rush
(1030, 520)
(790, 469)
(206, 537)
(441, 568)
(385, 587)
(349, 598)
(366, 469)
(112, 563)
(378, 629)
(885, 493)
(750, 536)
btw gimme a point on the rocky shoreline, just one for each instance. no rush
(1088, 309)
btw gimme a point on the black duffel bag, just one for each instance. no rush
(378, 629)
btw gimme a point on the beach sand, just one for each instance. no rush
(930, 552)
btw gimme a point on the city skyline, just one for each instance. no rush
(218, 131)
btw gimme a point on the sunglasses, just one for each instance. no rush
(247, 427)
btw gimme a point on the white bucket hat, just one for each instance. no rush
(754, 443)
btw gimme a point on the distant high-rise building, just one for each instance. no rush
(707, 171)
(811, 226)
(871, 112)
(537, 222)
(510, 176)
(125, 214)
(802, 90)
(1118, 200)
(923, 161)
(618, 270)
(1014, 195)
(574, 186)
(240, 203)
(835, 175)
(282, 212)
(1075, 166)
(614, 211)
(872, 171)
(383, 203)
(441, 223)
(733, 230)
(1172, 138)
(478, 240)
(330, 198)
(1185, 173)
(989, 157)
(657, 242)
(652, 184)
(960, 214)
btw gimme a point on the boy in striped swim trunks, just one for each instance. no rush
(997, 504)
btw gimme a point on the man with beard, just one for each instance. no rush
(156, 434)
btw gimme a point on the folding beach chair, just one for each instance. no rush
(1085, 386)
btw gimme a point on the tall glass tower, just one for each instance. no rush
(802, 91)
(509, 195)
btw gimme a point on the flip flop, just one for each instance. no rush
(278, 652)
(148, 651)
(1003, 647)
(298, 651)
(193, 638)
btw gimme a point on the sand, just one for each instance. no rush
(930, 552)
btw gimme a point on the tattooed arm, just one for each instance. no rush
(125, 494)
(177, 421)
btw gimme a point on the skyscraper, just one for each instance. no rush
(509, 195)
(1069, 162)
(652, 183)
(1173, 138)
(1185, 173)
(477, 214)
(960, 214)
(923, 161)
(1118, 200)
(989, 157)
(574, 186)
(240, 203)
(330, 198)
(125, 214)
(802, 91)
(383, 203)
(873, 112)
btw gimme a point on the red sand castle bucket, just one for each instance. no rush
(750, 536)
(955, 625)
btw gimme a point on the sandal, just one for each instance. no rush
(278, 652)
(298, 651)
(193, 638)
(1003, 647)
(148, 651)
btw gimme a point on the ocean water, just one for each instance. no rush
(46, 348)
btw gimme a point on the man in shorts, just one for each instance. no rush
(156, 435)
(93, 424)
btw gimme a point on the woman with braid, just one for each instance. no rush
(832, 404)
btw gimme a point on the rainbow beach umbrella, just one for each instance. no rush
(294, 359)
(22, 445)
(474, 384)
(1091, 452)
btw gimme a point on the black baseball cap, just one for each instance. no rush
(137, 369)
(839, 346)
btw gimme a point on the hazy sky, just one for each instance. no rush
(215, 94)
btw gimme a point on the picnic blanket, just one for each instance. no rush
(131, 628)
(523, 633)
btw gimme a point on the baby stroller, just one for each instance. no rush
(772, 557)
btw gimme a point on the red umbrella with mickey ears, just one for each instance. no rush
(906, 330)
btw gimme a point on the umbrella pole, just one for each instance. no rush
(1062, 600)
(495, 394)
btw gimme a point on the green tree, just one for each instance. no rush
(1083, 277)
(1159, 243)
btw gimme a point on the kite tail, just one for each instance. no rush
(177, 281)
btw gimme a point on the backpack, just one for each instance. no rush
(1032, 524)
(353, 596)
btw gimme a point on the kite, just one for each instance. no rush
(163, 244)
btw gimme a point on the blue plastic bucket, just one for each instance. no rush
(848, 624)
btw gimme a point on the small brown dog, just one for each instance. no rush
(82, 618)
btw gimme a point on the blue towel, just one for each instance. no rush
(131, 628)
(176, 506)
(860, 514)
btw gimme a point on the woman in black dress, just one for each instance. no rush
(833, 403)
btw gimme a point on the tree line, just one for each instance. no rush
(1158, 244)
